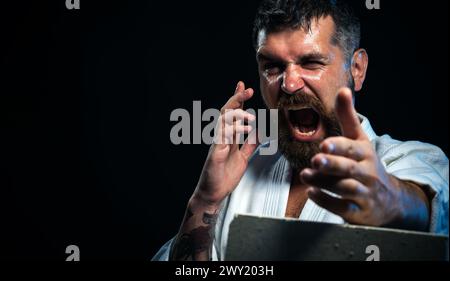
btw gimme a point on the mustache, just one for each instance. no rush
(301, 99)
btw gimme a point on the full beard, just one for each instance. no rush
(298, 153)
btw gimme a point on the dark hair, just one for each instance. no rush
(276, 15)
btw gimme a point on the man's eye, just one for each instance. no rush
(272, 69)
(312, 64)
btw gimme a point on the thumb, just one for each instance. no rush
(346, 113)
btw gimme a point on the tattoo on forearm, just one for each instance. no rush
(188, 245)
(209, 218)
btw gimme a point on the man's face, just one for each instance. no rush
(300, 74)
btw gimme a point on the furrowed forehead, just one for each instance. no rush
(314, 42)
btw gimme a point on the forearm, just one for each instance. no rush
(195, 237)
(415, 206)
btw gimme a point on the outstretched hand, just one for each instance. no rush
(349, 167)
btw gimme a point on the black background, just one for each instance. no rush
(86, 97)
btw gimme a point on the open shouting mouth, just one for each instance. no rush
(305, 123)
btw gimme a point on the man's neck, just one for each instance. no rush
(297, 196)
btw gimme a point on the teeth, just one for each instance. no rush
(308, 134)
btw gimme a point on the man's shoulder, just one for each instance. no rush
(386, 146)
(391, 150)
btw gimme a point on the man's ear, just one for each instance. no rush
(360, 62)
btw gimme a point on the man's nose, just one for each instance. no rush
(292, 80)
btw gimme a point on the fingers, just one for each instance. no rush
(341, 146)
(346, 113)
(338, 166)
(250, 145)
(240, 96)
(231, 125)
(349, 188)
(232, 115)
(341, 207)
(230, 133)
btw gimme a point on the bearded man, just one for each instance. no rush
(331, 166)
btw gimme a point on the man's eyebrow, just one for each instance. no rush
(314, 56)
(304, 58)
(262, 57)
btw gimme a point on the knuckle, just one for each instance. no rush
(351, 150)
(370, 204)
(353, 169)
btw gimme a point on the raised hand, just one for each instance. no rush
(226, 162)
(223, 169)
